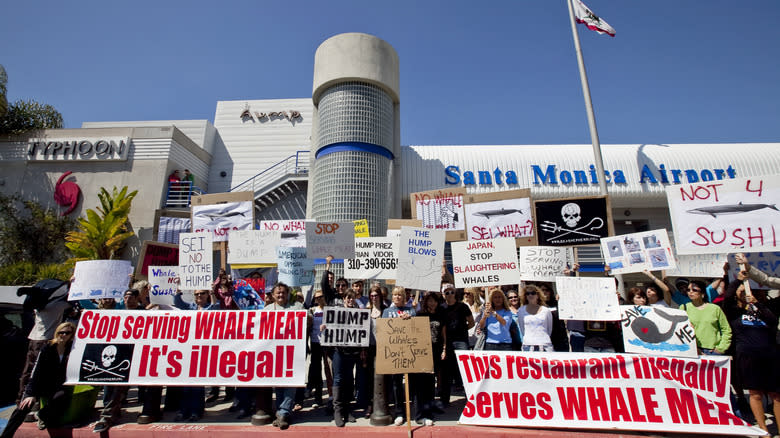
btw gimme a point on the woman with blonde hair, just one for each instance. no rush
(535, 321)
(497, 320)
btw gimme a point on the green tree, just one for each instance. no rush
(102, 234)
(3, 92)
(24, 116)
(31, 233)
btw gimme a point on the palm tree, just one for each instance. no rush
(102, 234)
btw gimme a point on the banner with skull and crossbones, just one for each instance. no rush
(573, 221)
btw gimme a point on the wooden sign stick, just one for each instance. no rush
(408, 407)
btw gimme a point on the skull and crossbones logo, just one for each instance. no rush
(107, 359)
(571, 213)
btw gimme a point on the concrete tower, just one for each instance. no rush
(356, 131)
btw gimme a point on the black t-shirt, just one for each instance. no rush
(457, 325)
(437, 321)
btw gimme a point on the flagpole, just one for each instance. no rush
(594, 134)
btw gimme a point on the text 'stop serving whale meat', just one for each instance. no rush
(731, 209)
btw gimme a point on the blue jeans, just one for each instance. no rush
(285, 399)
(498, 347)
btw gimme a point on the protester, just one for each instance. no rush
(398, 309)
(376, 305)
(317, 364)
(637, 296)
(713, 332)
(756, 274)
(345, 360)
(496, 322)
(474, 303)
(653, 298)
(459, 321)
(535, 321)
(424, 383)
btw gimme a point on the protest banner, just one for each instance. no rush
(169, 223)
(293, 231)
(599, 391)
(100, 279)
(587, 298)
(489, 262)
(196, 261)
(403, 345)
(442, 210)
(501, 214)
(253, 246)
(420, 256)
(295, 268)
(375, 258)
(636, 252)
(573, 221)
(220, 213)
(657, 330)
(769, 262)
(394, 226)
(544, 263)
(698, 266)
(188, 348)
(345, 327)
(156, 254)
(162, 284)
(361, 228)
(719, 217)
(330, 238)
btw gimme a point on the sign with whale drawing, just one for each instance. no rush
(220, 213)
(501, 214)
(719, 217)
(636, 252)
(657, 331)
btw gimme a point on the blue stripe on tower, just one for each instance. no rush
(346, 146)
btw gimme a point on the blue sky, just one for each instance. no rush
(500, 72)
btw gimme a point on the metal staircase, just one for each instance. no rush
(278, 181)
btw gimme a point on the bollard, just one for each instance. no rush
(380, 417)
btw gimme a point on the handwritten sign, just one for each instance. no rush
(769, 262)
(485, 262)
(501, 214)
(100, 279)
(195, 260)
(636, 252)
(375, 258)
(441, 210)
(403, 346)
(156, 254)
(590, 299)
(330, 238)
(293, 231)
(736, 215)
(345, 327)
(698, 266)
(420, 258)
(544, 263)
(295, 269)
(162, 284)
(656, 330)
(220, 219)
(253, 246)
(361, 228)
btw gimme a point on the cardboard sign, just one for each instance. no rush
(230, 348)
(156, 254)
(253, 246)
(403, 345)
(544, 263)
(330, 238)
(421, 253)
(768, 262)
(587, 298)
(345, 327)
(361, 228)
(220, 213)
(293, 231)
(195, 261)
(375, 258)
(636, 252)
(295, 268)
(501, 214)
(573, 221)
(100, 279)
(162, 284)
(490, 262)
(394, 226)
(720, 217)
(441, 210)
(657, 330)
(599, 391)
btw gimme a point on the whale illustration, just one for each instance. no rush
(502, 212)
(731, 209)
(646, 330)
(227, 214)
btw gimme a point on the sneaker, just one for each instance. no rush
(147, 419)
(427, 422)
(41, 423)
(399, 421)
(102, 426)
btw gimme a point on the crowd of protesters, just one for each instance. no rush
(727, 320)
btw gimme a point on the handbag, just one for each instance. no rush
(480, 344)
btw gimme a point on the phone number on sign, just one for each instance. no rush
(372, 263)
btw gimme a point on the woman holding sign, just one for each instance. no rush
(399, 309)
(535, 321)
(497, 320)
(345, 359)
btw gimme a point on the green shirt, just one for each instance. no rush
(709, 322)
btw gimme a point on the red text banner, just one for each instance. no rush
(231, 348)
(599, 391)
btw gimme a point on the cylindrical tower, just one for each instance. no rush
(355, 133)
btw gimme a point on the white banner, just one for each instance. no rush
(599, 391)
(196, 259)
(330, 238)
(295, 268)
(375, 258)
(421, 253)
(162, 284)
(544, 263)
(253, 246)
(698, 266)
(95, 279)
(220, 219)
(502, 218)
(293, 231)
(345, 327)
(441, 210)
(587, 298)
(636, 252)
(489, 262)
(657, 330)
(738, 215)
(189, 348)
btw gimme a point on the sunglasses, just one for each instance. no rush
(200, 293)
(319, 296)
(65, 333)
(449, 292)
(530, 293)
(513, 297)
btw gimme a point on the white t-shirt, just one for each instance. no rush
(536, 329)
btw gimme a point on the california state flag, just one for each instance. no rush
(591, 20)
